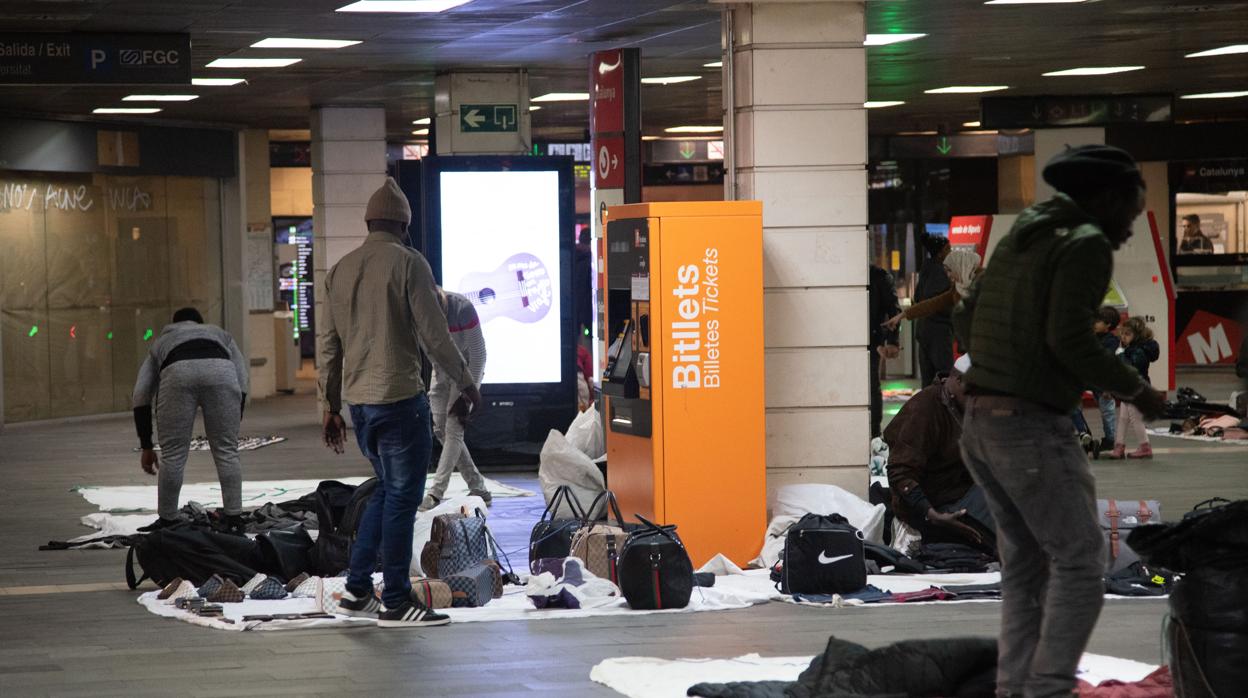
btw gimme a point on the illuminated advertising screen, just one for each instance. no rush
(500, 247)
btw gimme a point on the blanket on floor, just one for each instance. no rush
(132, 498)
(650, 677)
(735, 591)
(1158, 431)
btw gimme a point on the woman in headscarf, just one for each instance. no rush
(962, 267)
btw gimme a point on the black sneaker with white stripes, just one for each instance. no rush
(411, 614)
(367, 606)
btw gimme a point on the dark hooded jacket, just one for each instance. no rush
(964, 667)
(1028, 319)
(1140, 354)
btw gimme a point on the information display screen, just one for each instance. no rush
(500, 247)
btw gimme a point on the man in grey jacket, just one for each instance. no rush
(192, 365)
(465, 328)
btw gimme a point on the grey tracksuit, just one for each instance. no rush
(182, 387)
(465, 327)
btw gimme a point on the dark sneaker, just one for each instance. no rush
(366, 606)
(412, 614)
(483, 494)
(157, 525)
(1107, 444)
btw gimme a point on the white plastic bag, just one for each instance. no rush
(564, 464)
(585, 434)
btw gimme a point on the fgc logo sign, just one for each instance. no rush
(135, 58)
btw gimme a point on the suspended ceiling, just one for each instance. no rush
(967, 43)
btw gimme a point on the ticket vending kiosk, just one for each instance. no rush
(684, 371)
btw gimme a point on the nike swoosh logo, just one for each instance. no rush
(825, 560)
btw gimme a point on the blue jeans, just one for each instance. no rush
(1109, 413)
(397, 440)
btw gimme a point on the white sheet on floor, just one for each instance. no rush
(736, 591)
(255, 493)
(1193, 437)
(107, 524)
(650, 677)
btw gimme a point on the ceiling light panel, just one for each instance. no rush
(403, 6)
(303, 43)
(422, 122)
(1107, 70)
(421, 132)
(216, 82)
(125, 110)
(253, 62)
(694, 129)
(886, 39)
(1224, 51)
(562, 97)
(971, 124)
(671, 80)
(1218, 95)
(713, 64)
(159, 98)
(881, 105)
(966, 89)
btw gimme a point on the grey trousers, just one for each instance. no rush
(186, 386)
(1043, 498)
(450, 431)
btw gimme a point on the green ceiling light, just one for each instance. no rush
(109, 335)
(34, 330)
(147, 335)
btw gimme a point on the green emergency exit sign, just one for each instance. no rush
(489, 118)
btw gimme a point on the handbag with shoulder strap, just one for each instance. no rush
(1117, 518)
(598, 544)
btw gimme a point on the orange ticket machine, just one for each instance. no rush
(683, 380)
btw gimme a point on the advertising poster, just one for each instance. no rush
(500, 248)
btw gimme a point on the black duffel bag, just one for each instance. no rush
(193, 553)
(338, 526)
(822, 555)
(551, 538)
(288, 552)
(654, 568)
(1208, 632)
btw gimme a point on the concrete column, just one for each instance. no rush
(348, 165)
(795, 83)
(262, 350)
(234, 249)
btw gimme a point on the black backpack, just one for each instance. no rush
(338, 525)
(551, 538)
(654, 568)
(193, 553)
(822, 555)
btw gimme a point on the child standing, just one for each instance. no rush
(1105, 326)
(1139, 349)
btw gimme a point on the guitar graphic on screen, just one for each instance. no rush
(520, 288)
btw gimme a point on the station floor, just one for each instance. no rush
(69, 626)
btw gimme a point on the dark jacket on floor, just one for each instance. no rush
(1028, 319)
(955, 668)
(925, 466)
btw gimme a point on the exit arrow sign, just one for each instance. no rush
(488, 118)
(942, 145)
(687, 150)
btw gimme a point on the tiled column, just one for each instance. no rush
(795, 117)
(348, 165)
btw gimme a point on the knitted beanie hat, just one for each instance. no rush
(388, 203)
(1087, 169)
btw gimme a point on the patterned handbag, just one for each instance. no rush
(551, 537)
(598, 544)
(472, 587)
(430, 554)
(433, 593)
